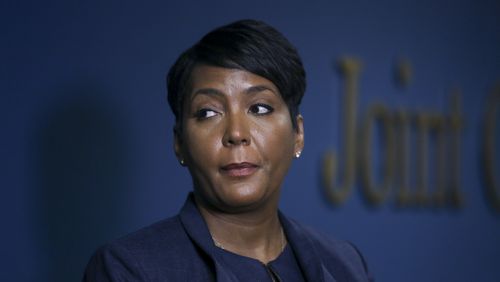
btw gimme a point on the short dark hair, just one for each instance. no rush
(248, 45)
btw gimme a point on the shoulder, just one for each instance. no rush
(165, 235)
(329, 246)
(150, 253)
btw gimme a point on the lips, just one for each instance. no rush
(239, 169)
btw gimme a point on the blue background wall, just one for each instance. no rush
(86, 133)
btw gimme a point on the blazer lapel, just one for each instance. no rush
(305, 251)
(197, 230)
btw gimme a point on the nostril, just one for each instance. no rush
(236, 140)
(236, 132)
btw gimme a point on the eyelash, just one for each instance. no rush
(254, 109)
(202, 114)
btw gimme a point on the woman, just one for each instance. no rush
(235, 95)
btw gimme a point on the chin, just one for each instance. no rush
(244, 198)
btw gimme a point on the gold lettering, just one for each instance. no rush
(456, 124)
(438, 127)
(428, 125)
(338, 191)
(376, 195)
(437, 146)
(402, 148)
(422, 158)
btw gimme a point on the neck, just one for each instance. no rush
(256, 234)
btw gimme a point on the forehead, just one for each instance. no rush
(226, 79)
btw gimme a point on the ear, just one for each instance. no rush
(299, 134)
(178, 145)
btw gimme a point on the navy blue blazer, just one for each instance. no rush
(181, 249)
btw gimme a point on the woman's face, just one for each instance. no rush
(237, 138)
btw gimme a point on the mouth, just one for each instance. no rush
(239, 169)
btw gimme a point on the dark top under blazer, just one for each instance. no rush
(181, 249)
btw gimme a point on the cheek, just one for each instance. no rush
(277, 141)
(201, 144)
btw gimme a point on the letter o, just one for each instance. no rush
(376, 195)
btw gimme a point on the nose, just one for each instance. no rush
(236, 130)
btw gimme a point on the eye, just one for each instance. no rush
(261, 109)
(205, 113)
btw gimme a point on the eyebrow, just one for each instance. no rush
(259, 88)
(207, 91)
(214, 92)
